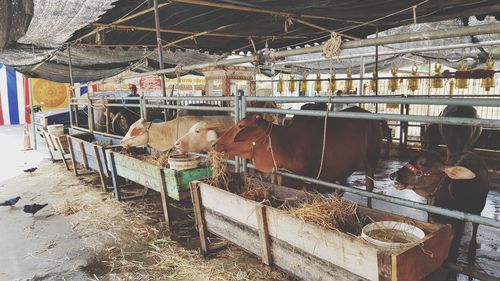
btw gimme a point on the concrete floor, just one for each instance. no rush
(43, 246)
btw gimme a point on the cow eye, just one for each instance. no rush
(241, 126)
(197, 131)
(423, 163)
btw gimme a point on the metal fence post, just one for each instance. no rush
(90, 112)
(236, 106)
(141, 108)
(243, 113)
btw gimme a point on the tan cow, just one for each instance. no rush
(162, 136)
(202, 135)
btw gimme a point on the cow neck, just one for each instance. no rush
(441, 184)
(160, 135)
(272, 144)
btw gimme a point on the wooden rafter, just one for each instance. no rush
(117, 45)
(215, 34)
(259, 10)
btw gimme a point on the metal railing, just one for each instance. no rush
(238, 106)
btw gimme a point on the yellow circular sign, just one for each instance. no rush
(50, 93)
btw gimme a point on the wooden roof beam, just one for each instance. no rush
(166, 30)
(285, 15)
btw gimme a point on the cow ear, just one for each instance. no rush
(211, 136)
(135, 132)
(459, 173)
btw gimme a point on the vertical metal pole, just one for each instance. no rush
(243, 114)
(141, 107)
(361, 77)
(90, 111)
(429, 88)
(71, 87)
(160, 53)
(33, 127)
(376, 70)
(236, 119)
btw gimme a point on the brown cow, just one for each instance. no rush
(350, 144)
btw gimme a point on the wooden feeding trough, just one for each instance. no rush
(170, 183)
(310, 251)
(88, 151)
(57, 147)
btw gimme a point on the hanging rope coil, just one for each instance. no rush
(331, 48)
(178, 72)
(271, 57)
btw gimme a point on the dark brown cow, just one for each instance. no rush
(457, 138)
(350, 144)
(461, 184)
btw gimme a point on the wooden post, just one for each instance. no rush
(114, 176)
(99, 166)
(84, 156)
(72, 153)
(198, 215)
(165, 200)
(61, 149)
(265, 240)
(46, 137)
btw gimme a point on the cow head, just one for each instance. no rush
(200, 137)
(424, 172)
(137, 134)
(240, 139)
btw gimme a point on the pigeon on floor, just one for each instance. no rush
(30, 170)
(10, 202)
(34, 208)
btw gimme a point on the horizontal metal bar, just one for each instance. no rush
(201, 108)
(382, 99)
(119, 105)
(379, 116)
(194, 98)
(396, 52)
(403, 202)
(97, 132)
(115, 98)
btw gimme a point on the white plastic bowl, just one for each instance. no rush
(410, 229)
(183, 161)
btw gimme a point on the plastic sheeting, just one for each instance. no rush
(31, 30)
(54, 21)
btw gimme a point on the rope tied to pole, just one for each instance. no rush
(271, 57)
(331, 48)
(178, 72)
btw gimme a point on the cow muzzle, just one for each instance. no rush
(397, 184)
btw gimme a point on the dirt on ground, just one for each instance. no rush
(84, 234)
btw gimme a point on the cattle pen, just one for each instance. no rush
(418, 70)
(239, 108)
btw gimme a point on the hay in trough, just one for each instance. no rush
(100, 143)
(255, 190)
(160, 160)
(392, 236)
(331, 212)
(217, 162)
